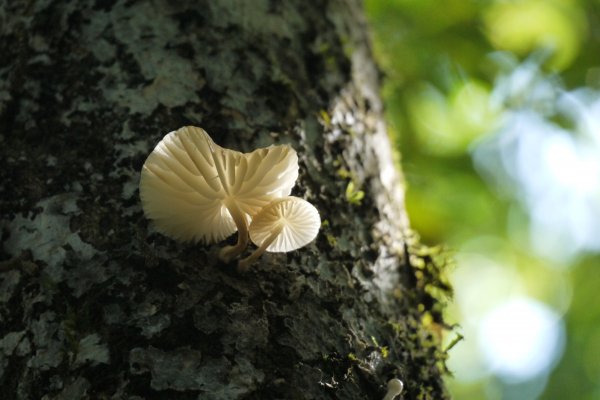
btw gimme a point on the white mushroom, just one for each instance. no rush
(283, 225)
(394, 388)
(194, 189)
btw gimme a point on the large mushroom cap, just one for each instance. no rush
(297, 220)
(190, 186)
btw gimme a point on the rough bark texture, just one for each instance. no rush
(95, 304)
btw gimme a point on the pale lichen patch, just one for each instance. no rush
(91, 351)
(8, 285)
(74, 390)
(47, 233)
(154, 61)
(10, 341)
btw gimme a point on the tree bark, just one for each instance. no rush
(95, 304)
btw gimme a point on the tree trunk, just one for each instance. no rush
(95, 304)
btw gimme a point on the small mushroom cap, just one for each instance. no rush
(395, 385)
(189, 183)
(299, 221)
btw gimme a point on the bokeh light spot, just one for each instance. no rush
(521, 338)
(524, 26)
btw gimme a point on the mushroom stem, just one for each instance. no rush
(229, 252)
(245, 263)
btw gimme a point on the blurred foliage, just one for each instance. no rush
(440, 76)
(578, 374)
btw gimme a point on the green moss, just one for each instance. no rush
(331, 240)
(325, 119)
(353, 194)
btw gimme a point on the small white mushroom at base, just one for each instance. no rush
(394, 388)
(283, 225)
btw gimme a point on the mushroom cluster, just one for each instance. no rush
(196, 190)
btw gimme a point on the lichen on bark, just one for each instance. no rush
(95, 304)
